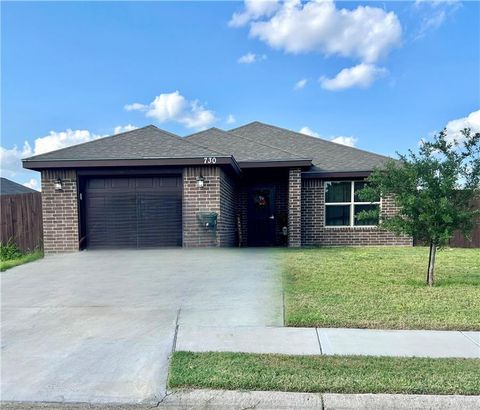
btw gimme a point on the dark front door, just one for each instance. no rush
(261, 217)
(141, 212)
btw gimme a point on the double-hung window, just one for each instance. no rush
(342, 204)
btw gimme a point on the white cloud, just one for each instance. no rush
(11, 158)
(176, 108)
(57, 140)
(435, 13)
(254, 9)
(366, 33)
(300, 84)
(124, 128)
(308, 131)
(361, 75)
(349, 141)
(455, 127)
(250, 58)
(32, 183)
(231, 119)
(136, 107)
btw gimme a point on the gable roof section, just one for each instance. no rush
(8, 187)
(144, 146)
(146, 142)
(244, 150)
(327, 156)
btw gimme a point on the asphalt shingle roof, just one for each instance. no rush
(326, 156)
(243, 149)
(8, 187)
(143, 143)
(249, 143)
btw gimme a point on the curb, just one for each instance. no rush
(236, 400)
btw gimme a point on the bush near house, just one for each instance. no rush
(10, 256)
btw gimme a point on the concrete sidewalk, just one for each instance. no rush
(317, 341)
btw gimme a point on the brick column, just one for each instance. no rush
(294, 207)
(196, 199)
(60, 211)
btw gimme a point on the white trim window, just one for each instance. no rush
(342, 205)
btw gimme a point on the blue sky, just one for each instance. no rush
(380, 75)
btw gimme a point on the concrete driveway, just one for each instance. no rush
(99, 326)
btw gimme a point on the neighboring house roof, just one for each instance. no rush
(327, 156)
(252, 145)
(8, 187)
(243, 149)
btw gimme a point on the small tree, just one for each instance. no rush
(433, 190)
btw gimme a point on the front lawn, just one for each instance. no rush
(322, 374)
(381, 287)
(20, 260)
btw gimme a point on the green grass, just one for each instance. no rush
(29, 257)
(381, 287)
(334, 374)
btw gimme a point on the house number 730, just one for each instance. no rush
(209, 160)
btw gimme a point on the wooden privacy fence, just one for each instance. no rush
(459, 241)
(21, 220)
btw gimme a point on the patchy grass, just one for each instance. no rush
(381, 287)
(334, 374)
(29, 257)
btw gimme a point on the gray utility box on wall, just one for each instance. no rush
(208, 220)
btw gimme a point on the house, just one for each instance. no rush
(8, 187)
(21, 220)
(255, 185)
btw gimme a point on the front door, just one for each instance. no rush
(261, 216)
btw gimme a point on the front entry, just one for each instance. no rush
(261, 216)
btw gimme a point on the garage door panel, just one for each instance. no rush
(159, 218)
(134, 212)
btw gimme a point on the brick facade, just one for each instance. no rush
(60, 211)
(294, 207)
(298, 204)
(314, 231)
(217, 195)
(227, 224)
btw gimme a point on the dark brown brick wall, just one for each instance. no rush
(314, 231)
(294, 208)
(218, 195)
(195, 200)
(227, 229)
(60, 211)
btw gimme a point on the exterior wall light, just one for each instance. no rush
(58, 185)
(200, 181)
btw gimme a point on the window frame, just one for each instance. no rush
(352, 204)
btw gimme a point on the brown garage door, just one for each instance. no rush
(133, 212)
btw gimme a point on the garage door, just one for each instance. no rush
(133, 212)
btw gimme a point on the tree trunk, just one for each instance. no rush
(431, 263)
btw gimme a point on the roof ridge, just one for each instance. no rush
(89, 142)
(204, 146)
(245, 138)
(264, 144)
(314, 138)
